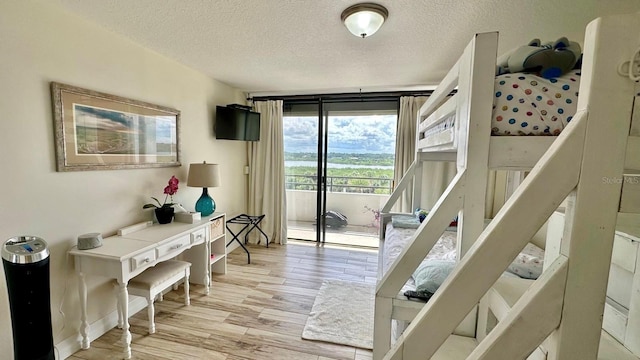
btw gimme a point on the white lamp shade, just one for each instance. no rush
(203, 175)
(364, 20)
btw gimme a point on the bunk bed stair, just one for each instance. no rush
(506, 292)
(620, 325)
(621, 318)
(504, 295)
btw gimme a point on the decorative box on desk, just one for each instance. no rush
(188, 217)
(217, 254)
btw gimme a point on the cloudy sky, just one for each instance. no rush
(347, 134)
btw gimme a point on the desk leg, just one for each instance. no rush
(123, 298)
(207, 264)
(84, 324)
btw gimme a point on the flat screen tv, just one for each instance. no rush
(237, 123)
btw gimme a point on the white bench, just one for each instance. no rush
(153, 281)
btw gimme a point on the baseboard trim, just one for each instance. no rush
(71, 345)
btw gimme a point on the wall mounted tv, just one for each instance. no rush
(237, 122)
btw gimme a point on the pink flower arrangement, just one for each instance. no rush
(376, 216)
(169, 191)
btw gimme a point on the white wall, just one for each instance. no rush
(40, 43)
(301, 206)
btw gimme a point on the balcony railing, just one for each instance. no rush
(349, 184)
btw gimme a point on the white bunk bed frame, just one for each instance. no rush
(565, 305)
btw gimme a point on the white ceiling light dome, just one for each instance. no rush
(364, 19)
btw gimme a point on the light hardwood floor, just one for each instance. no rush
(253, 312)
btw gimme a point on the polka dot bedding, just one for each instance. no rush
(526, 104)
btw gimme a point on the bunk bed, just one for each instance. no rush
(571, 166)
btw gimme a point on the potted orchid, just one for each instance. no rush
(164, 211)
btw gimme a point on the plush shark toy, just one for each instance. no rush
(550, 60)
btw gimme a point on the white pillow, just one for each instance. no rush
(431, 274)
(528, 264)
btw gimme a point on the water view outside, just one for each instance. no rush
(360, 157)
(360, 153)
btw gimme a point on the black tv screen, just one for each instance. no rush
(237, 124)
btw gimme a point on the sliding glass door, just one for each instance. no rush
(302, 175)
(339, 168)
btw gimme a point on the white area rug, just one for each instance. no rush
(342, 314)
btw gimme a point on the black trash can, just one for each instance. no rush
(26, 268)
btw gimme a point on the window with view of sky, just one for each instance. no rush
(360, 152)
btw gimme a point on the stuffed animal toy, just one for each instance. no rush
(549, 60)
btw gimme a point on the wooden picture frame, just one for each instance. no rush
(98, 131)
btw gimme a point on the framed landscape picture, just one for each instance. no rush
(98, 131)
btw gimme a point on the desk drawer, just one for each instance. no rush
(143, 259)
(197, 237)
(173, 247)
(217, 227)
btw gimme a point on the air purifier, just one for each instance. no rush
(26, 268)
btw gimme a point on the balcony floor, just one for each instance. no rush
(352, 235)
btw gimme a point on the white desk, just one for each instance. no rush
(123, 257)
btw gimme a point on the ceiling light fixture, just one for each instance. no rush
(364, 19)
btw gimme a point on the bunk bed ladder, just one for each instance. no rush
(465, 196)
(496, 247)
(593, 206)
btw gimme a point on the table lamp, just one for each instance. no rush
(205, 176)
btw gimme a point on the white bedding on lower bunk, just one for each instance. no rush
(528, 264)
(396, 240)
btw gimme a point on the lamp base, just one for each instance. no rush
(205, 204)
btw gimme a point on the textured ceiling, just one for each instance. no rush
(295, 46)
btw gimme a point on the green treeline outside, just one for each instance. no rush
(343, 158)
(355, 180)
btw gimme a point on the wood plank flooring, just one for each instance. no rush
(254, 312)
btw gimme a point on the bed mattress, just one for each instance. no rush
(396, 240)
(526, 104)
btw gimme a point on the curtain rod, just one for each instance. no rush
(381, 95)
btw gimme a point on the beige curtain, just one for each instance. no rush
(266, 172)
(406, 146)
(436, 175)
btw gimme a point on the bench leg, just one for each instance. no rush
(187, 299)
(151, 312)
